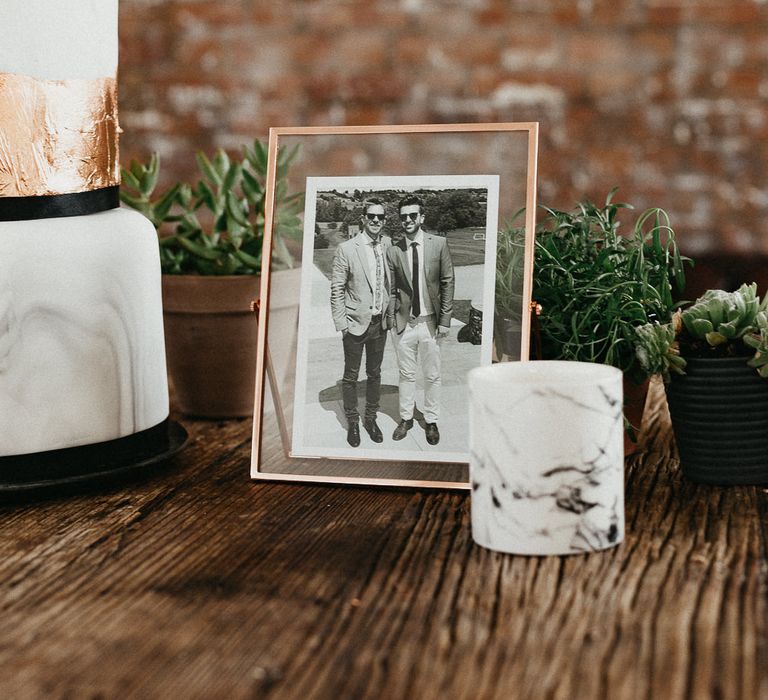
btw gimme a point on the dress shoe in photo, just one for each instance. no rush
(373, 430)
(353, 434)
(433, 434)
(402, 429)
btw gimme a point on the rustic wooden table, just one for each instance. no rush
(201, 584)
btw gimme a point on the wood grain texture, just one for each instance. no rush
(201, 584)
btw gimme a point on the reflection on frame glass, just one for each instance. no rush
(405, 278)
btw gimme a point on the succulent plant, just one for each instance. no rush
(216, 227)
(719, 317)
(657, 348)
(718, 324)
(757, 339)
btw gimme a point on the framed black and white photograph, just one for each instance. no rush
(395, 274)
(396, 259)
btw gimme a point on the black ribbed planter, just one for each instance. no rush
(719, 413)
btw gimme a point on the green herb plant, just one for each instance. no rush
(510, 261)
(216, 226)
(508, 304)
(596, 287)
(718, 324)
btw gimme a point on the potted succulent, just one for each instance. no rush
(210, 235)
(595, 287)
(713, 357)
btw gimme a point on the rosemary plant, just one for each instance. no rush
(596, 287)
(510, 261)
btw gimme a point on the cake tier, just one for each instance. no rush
(59, 40)
(82, 355)
(58, 98)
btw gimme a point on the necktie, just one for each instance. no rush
(379, 274)
(416, 306)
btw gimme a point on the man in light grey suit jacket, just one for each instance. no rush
(359, 300)
(421, 305)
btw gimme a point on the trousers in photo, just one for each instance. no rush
(418, 345)
(372, 342)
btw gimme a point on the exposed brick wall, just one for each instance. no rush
(666, 98)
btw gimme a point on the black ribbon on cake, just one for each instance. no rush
(56, 205)
(104, 460)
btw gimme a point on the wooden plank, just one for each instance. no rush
(200, 583)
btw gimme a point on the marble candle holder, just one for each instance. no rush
(546, 457)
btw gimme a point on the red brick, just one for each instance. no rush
(743, 83)
(665, 15)
(471, 53)
(375, 87)
(322, 87)
(364, 114)
(731, 13)
(308, 49)
(567, 13)
(411, 49)
(585, 50)
(614, 13)
(493, 15)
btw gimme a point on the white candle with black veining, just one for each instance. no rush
(547, 457)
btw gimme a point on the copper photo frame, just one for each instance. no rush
(364, 200)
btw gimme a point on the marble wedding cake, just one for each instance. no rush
(82, 357)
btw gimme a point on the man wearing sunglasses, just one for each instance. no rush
(420, 311)
(359, 300)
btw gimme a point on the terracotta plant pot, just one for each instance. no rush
(210, 338)
(635, 396)
(719, 412)
(507, 335)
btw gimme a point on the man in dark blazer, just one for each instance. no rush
(421, 304)
(359, 300)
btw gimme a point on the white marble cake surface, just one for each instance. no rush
(57, 40)
(547, 457)
(82, 355)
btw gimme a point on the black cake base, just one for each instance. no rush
(74, 469)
